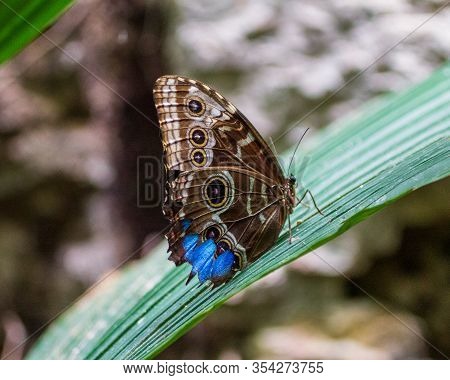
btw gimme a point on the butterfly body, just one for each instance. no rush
(226, 196)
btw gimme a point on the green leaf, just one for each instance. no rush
(23, 20)
(356, 167)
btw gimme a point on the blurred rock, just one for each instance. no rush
(352, 331)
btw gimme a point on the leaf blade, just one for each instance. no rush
(23, 21)
(356, 168)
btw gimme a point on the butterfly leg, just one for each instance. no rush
(291, 237)
(299, 200)
(290, 229)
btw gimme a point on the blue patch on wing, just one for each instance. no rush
(185, 223)
(205, 264)
(202, 256)
(189, 243)
(222, 266)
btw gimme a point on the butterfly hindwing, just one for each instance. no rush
(225, 192)
(242, 207)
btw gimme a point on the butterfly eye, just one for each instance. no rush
(292, 180)
(223, 246)
(216, 191)
(198, 137)
(212, 233)
(196, 107)
(198, 157)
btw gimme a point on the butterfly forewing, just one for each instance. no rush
(225, 191)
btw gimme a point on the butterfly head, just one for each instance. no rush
(292, 180)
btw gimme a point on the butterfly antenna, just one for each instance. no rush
(272, 146)
(274, 150)
(295, 150)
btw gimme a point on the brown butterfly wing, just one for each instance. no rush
(228, 133)
(251, 210)
(223, 179)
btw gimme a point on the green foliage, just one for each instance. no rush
(22, 21)
(356, 167)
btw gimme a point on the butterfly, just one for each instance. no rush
(226, 196)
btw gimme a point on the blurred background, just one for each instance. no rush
(68, 176)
